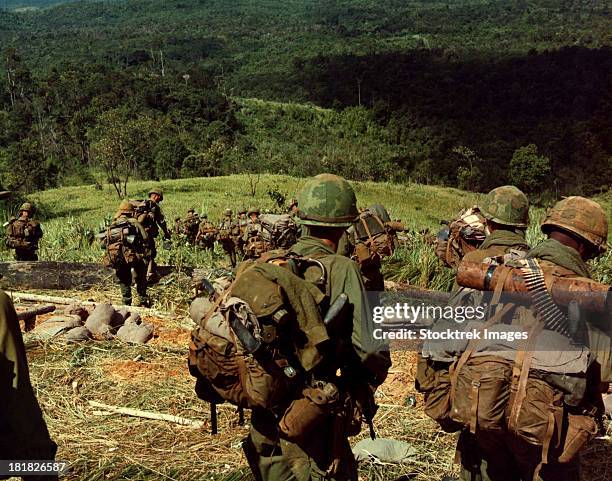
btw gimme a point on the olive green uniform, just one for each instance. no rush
(229, 243)
(281, 460)
(23, 432)
(139, 265)
(35, 233)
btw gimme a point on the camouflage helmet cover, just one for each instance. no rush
(327, 200)
(158, 191)
(253, 210)
(204, 216)
(26, 206)
(242, 211)
(125, 207)
(506, 205)
(581, 216)
(227, 212)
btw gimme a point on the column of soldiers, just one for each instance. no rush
(576, 230)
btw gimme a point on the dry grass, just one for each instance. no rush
(154, 378)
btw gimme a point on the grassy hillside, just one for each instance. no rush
(71, 216)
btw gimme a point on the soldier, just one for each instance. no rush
(150, 215)
(241, 222)
(191, 225)
(206, 234)
(370, 239)
(228, 232)
(253, 237)
(506, 213)
(551, 408)
(327, 209)
(127, 248)
(24, 233)
(23, 431)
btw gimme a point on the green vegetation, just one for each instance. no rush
(71, 217)
(408, 88)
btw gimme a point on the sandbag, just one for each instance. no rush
(55, 326)
(77, 334)
(78, 310)
(135, 332)
(101, 320)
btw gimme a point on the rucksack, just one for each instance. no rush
(123, 242)
(497, 393)
(258, 343)
(22, 234)
(374, 235)
(280, 230)
(462, 235)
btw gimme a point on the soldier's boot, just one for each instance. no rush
(144, 301)
(126, 295)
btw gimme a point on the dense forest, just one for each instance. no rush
(470, 93)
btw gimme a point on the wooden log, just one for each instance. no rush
(62, 275)
(147, 311)
(147, 415)
(30, 313)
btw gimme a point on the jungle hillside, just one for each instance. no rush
(463, 93)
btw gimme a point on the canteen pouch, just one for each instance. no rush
(580, 430)
(306, 413)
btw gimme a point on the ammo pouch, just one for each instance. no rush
(480, 393)
(306, 413)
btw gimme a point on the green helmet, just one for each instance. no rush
(253, 210)
(227, 212)
(27, 207)
(242, 211)
(158, 191)
(581, 216)
(506, 205)
(327, 200)
(204, 216)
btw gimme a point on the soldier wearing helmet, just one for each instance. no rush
(253, 238)
(150, 215)
(24, 233)
(327, 207)
(577, 230)
(207, 233)
(126, 248)
(506, 213)
(229, 231)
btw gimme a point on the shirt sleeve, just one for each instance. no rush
(20, 412)
(373, 354)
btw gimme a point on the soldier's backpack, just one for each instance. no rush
(228, 230)
(258, 343)
(495, 393)
(123, 243)
(280, 231)
(460, 236)
(207, 231)
(22, 234)
(374, 234)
